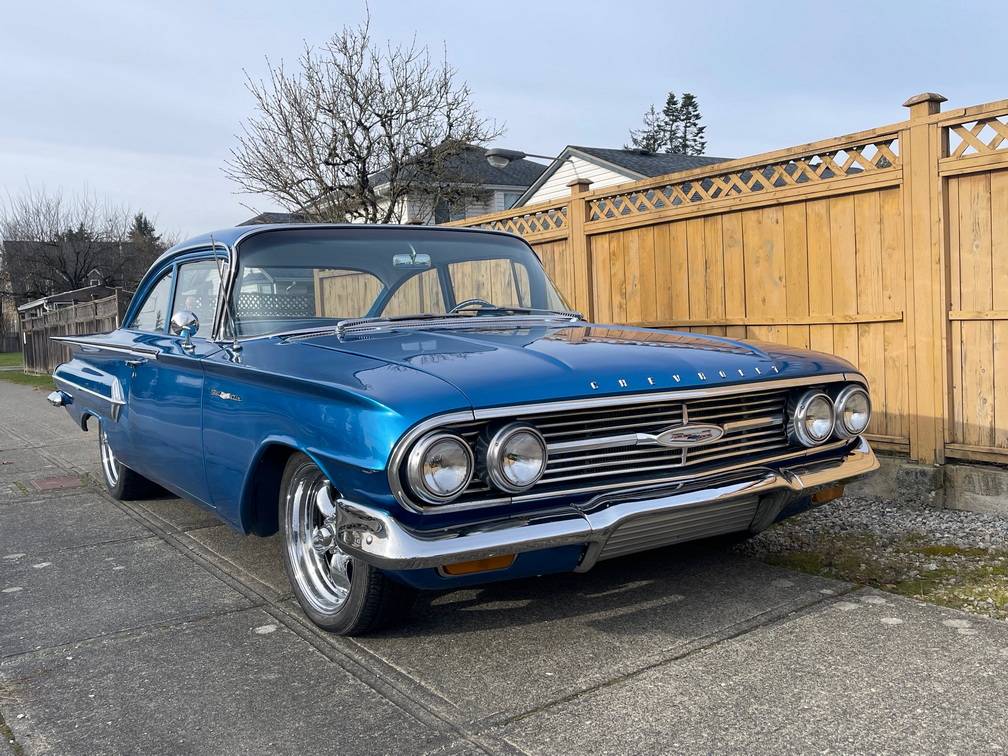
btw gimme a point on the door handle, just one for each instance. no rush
(136, 362)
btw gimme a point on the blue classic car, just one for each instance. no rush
(417, 408)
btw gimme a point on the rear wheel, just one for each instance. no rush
(339, 593)
(121, 482)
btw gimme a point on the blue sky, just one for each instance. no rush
(140, 101)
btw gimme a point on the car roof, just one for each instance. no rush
(230, 236)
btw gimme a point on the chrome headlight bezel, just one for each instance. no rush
(497, 448)
(845, 395)
(800, 415)
(418, 457)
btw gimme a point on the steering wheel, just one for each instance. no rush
(469, 302)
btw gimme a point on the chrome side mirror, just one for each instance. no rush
(184, 323)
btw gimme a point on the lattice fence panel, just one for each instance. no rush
(981, 137)
(796, 171)
(541, 222)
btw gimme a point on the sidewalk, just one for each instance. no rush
(152, 627)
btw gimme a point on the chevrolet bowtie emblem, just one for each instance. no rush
(693, 434)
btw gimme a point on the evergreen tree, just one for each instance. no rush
(142, 232)
(651, 136)
(671, 124)
(691, 133)
(676, 129)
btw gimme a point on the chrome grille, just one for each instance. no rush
(632, 461)
(754, 428)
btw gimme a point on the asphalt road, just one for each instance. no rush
(152, 627)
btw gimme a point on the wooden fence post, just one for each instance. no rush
(926, 270)
(578, 241)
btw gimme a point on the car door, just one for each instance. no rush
(164, 392)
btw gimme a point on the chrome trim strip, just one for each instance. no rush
(92, 392)
(704, 392)
(116, 401)
(88, 341)
(755, 422)
(590, 444)
(376, 537)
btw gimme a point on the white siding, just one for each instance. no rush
(574, 168)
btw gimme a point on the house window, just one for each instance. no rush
(509, 198)
(445, 211)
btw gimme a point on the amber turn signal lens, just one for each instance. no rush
(827, 494)
(479, 565)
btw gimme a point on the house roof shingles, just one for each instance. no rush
(471, 167)
(650, 163)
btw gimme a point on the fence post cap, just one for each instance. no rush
(925, 97)
(579, 184)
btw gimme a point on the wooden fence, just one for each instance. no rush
(42, 355)
(888, 247)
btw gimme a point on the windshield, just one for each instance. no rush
(301, 278)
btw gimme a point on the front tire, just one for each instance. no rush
(339, 593)
(122, 483)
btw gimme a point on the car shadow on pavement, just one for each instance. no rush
(672, 586)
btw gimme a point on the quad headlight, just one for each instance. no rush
(515, 457)
(853, 411)
(439, 467)
(813, 418)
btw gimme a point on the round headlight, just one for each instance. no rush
(439, 467)
(814, 417)
(853, 410)
(515, 457)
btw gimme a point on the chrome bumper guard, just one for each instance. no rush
(376, 537)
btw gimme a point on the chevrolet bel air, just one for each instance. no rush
(418, 408)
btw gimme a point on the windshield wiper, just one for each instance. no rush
(515, 310)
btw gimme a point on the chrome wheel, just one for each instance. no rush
(322, 571)
(109, 464)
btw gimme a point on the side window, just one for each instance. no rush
(197, 290)
(153, 313)
(419, 294)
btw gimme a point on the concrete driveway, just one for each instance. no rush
(152, 627)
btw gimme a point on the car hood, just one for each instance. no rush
(500, 365)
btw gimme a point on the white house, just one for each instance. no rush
(605, 167)
(492, 189)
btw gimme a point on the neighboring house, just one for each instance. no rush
(270, 217)
(605, 167)
(477, 188)
(480, 188)
(64, 299)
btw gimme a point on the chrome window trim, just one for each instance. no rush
(406, 441)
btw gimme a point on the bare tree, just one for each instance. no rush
(358, 127)
(53, 243)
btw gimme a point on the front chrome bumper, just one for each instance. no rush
(376, 537)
